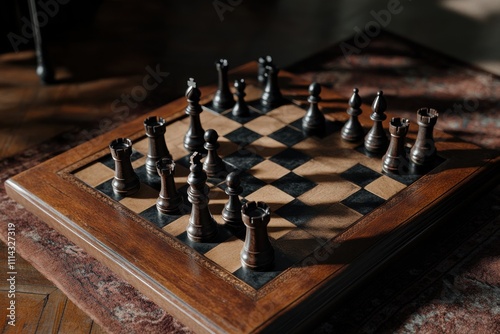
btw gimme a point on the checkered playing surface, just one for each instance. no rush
(316, 187)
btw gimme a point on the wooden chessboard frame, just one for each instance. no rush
(148, 259)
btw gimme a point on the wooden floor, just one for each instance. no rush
(97, 64)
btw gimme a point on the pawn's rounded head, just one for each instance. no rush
(211, 136)
(240, 84)
(315, 89)
(355, 90)
(233, 180)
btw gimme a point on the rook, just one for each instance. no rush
(352, 131)
(263, 63)
(169, 200)
(125, 181)
(424, 151)
(223, 99)
(394, 161)
(271, 98)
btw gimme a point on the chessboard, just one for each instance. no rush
(335, 215)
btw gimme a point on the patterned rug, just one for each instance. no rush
(450, 282)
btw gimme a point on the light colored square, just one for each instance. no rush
(139, 162)
(339, 163)
(385, 187)
(178, 226)
(142, 146)
(279, 226)
(264, 125)
(271, 195)
(221, 124)
(227, 254)
(95, 174)
(268, 171)
(253, 93)
(310, 146)
(332, 221)
(266, 147)
(297, 244)
(332, 189)
(141, 200)
(181, 174)
(287, 113)
(226, 147)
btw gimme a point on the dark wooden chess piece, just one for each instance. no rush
(213, 164)
(376, 140)
(193, 140)
(257, 253)
(231, 214)
(394, 161)
(125, 181)
(263, 63)
(169, 200)
(424, 150)
(352, 131)
(155, 131)
(313, 122)
(223, 98)
(271, 97)
(240, 109)
(202, 226)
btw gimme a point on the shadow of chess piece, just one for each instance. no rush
(376, 140)
(169, 200)
(394, 161)
(313, 122)
(202, 226)
(232, 210)
(352, 131)
(240, 109)
(257, 253)
(155, 128)
(125, 182)
(423, 152)
(223, 98)
(193, 140)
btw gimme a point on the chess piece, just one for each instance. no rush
(125, 182)
(394, 161)
(376, 140)
(424, 150)
(169, 200)
(193, 140)
(263, 63)
(223, 98)
(202, 226)
(240, 109)
(271, 97)
(155, 131)
(257, 253)
(352, 131)
(213, 164)
(231, 214)
(313, 123)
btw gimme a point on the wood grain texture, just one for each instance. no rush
(173, 276)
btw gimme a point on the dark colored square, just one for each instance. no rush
(330, 127)
(290, 158)
(404, 179)
(210, 108)
(252, 114)
(110, 163)
(243, 136)
(107, 189)
(363, 201)
(184, 161)
(293, 184)
(152, 180)
(297, 212)
(202, 247)
(257, 104)
(159, 219)
(249, 184)
(360, 175)
(288, 136)
(243, 159)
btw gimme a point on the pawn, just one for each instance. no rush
(313, 123)
(202, 226)
(193, 140)
(263, 63)
(169, 200)
(232, 210)
(125, 181)
(257, 253)
(213, 164)
(424, 150)
(223, 99)
(394, 161)
(376, 140)
(240, 109)
(271, 97)
(352, 131)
